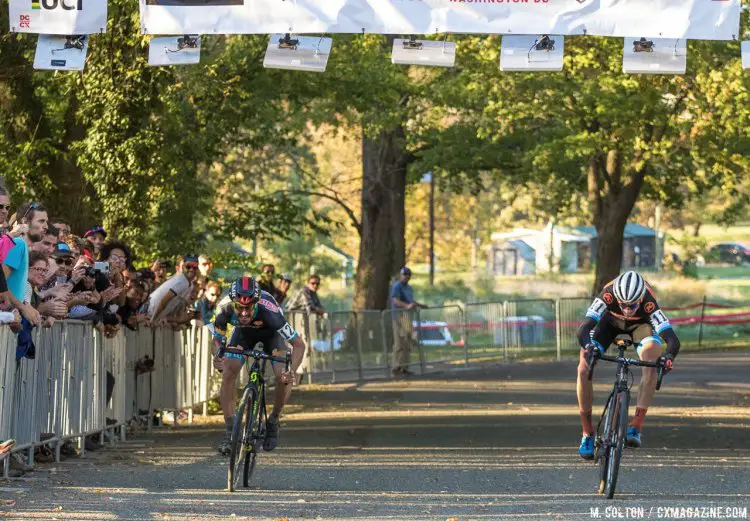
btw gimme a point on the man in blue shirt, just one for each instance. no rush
(16, 263)
(402, 304)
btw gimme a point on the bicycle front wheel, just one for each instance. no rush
(603, 441)
(252, 435)
(238, 443)
(619, 431)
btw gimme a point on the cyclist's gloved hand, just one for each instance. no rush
(666, 361)
(593, 350)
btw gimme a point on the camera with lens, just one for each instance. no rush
(92, 272)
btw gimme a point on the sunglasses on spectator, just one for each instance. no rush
(40, 269)
(31, 208)
(314, 283)
(67, 262)
(190, 266)
(5, 207)
(117, 258)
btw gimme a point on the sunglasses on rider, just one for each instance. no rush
(239, 308)
(632, 308)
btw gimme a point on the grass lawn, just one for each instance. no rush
(714, 233)
(725, 272)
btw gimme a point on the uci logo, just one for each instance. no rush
(67, 5)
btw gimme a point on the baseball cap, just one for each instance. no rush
(62, 250)
(190, 258)
(405, 271)
(286, 277)
(95, 229)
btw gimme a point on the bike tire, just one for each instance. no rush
(604, 439)
(252, 427)
(235, 458)
(615, 450)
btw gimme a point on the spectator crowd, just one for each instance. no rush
(50, 274)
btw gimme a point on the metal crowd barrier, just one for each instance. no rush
(62, 394)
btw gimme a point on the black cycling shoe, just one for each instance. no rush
(272, 435)
(225, 447)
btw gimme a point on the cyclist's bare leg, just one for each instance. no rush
(585, 391)
(227, 393)
(282, 393)
(649, 352)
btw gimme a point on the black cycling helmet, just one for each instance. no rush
(245, 291)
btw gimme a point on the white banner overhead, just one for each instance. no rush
(58, 16)
(691, 19)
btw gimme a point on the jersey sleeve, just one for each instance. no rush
(600, 305)
(656, 316)
(221, 321)
(594, 314)
(661, 324)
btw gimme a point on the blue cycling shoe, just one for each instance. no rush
(633, 437)
(586, 449)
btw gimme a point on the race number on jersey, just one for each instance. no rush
(659, 321)
(287, 332)
(597, 309)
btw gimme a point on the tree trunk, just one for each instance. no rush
(382, 246)
(610, 211)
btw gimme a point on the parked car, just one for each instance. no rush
(434, 333)
(730, 252)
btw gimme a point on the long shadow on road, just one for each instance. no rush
(489, 443)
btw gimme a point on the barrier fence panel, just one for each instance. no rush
(7, 381)
(315, 331)
(341, 345)
(484, 326)
(530, 327)
(115, 356)
(571, 312)
(204, 373)
(371, 344)
(24, 403)
(440, 333)
(138, 346)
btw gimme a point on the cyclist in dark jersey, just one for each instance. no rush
(625, 306)
(256, 317)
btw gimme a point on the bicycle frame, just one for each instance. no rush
(609, 442)
(249, 426)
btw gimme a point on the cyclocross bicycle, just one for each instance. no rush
(610, 437)
(250, 417)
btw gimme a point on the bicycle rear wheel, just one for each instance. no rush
(253, 427)
(619, 432)
(238, 443)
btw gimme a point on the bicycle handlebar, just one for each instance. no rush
(262, 355)
(630, 361)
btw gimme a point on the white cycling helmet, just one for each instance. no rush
(629, 287)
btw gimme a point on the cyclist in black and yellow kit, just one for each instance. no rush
(625, 306)
(256, 317)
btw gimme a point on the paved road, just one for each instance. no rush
(492, 443)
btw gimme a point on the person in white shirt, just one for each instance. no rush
(171, 297)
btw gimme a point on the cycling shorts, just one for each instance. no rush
(244, 338)
(605, 333)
